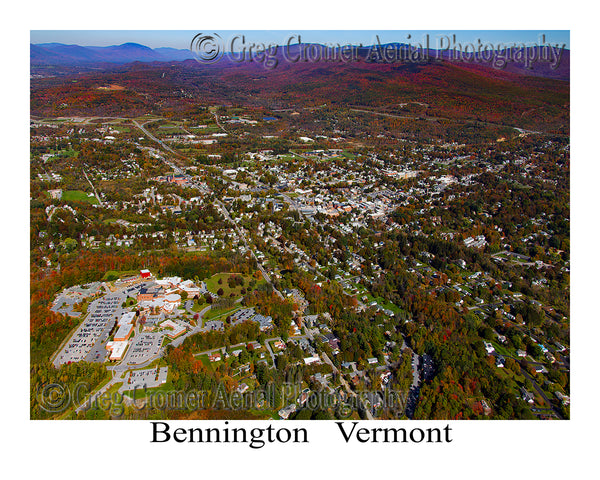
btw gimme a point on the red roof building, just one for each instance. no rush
(145, 273)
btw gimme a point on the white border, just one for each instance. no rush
(481, 449)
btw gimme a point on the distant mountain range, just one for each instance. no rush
(60, 54)
(57, 54)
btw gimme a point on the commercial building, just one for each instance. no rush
(126, 319)
(124, 332)
(174, 329)
(117, 349)
(145, 273)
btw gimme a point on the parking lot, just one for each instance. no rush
(242, 315)
(87, 343)
(144, 346)
(148, 378)
(64, 304)
(214, 325)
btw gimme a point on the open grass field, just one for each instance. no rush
(205, 130)
(79, 196)
(289, 157)
(121, 129)
(219, 313)
(502, 350)
(168, 130)
(213, 284)
(383, 303)
(205, 360)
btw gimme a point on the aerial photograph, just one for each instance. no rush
(299, 225)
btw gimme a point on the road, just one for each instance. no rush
(93, 188)
(146, 132)
(218, 202)
(295, 206)
(268, 347)
(219, 123)
(118, 372)
(413, 393)
(94, 396)
(431, 119)
(221, 349)
(541, 392)
(402, 117)
(197, 329)
(415, 365)
(152, 137)
(533, 382)
(345, 384)
(121, 367)
(242, 235)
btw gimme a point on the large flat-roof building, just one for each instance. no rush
(174, 329)
(124, 332)
(127, 318)
(117, 349)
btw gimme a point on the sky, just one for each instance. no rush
(182, 38)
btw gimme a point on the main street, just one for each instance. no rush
(240, 231)
(242, 235)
